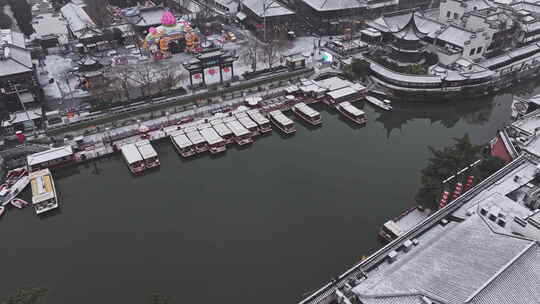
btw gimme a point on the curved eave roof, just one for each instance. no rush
(410, 30)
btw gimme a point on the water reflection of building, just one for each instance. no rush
(446, 114)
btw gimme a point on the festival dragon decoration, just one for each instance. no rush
(158, 38)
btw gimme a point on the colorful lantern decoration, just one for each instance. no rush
(226, 69)
(159, 37)
(470, 182)
(444, 199)
(457, 191)
(211, 72)
(197, 76)
(20, 136)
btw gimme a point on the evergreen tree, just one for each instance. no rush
(27, 296)
(447, 161)
(23, 14)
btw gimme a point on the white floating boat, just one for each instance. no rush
(351, 112)
(262, 122)
(307, 113)
(133, 158)
(148, 153)
(216, 144)
(282, 122)
(224, 132)
(183, 145)
(197, 140)
(248, 123)
(242, 136)
(379, 103)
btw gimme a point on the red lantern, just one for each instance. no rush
(20, 137)
(197, 76)
(211, 71)
(226, 69)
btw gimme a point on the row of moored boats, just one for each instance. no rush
(140, 156)
(214, 134)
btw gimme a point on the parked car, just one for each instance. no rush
(231, 36)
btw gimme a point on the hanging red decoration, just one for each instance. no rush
(20, 136)
(226, 69)
(197, 76)
(211, 71)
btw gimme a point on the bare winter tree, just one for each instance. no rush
(123, 75)
(272, 51)
(249, 54)
(169, 77)
(145, 77)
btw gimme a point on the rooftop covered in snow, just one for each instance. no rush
(266, 8)
(14, 57)
(329, 5)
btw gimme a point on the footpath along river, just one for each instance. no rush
(265, 224)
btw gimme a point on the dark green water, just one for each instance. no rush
(264, 224)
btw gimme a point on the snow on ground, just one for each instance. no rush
(65, 82)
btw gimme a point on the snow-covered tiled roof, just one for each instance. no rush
(452, 267)
(77, 18)
(49, 24)
(394, 22)
(333, 5)
(15, 58)
(455, 35)
(518, 282)
(273, 8)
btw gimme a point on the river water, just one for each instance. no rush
(264, 224)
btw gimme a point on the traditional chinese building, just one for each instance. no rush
(268, 19)
(405, 35)
(18, 80)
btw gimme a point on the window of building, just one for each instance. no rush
(475, 8)
(479, 50)
(456, 16)
(472, 52)
(448, 14)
